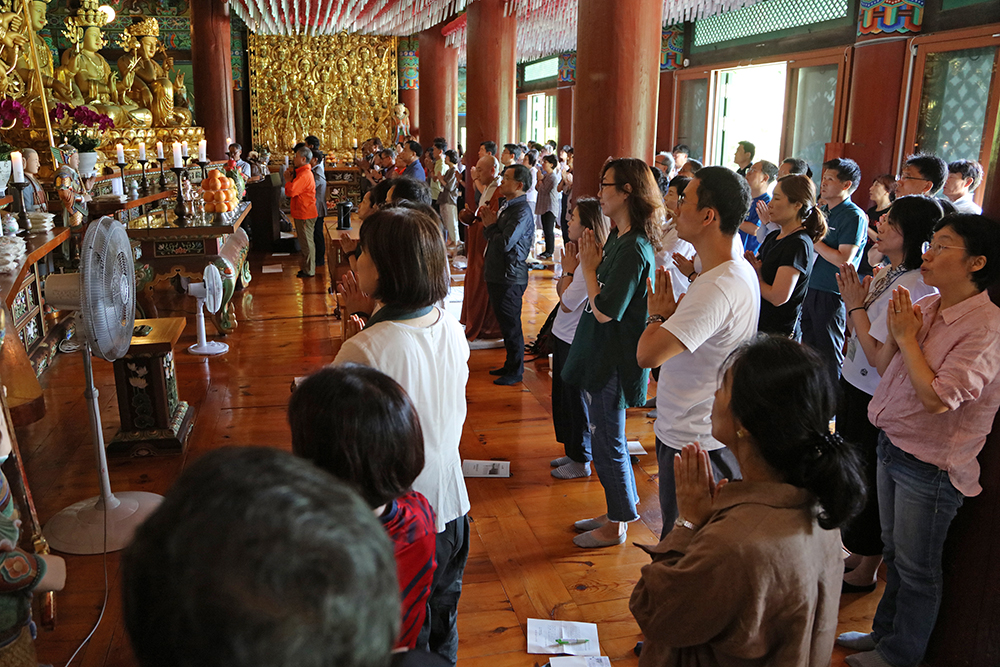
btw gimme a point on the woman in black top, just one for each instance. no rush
(784, 260)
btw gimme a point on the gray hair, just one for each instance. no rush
(669, 159)
(305, 152)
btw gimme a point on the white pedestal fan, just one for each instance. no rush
(103, 294)
(209, 295)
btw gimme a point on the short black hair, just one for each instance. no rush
(847, 170)
(681, 148)
(236, 146)
(415, 146)
(552, 142)
(440, 143)
(915, 217)
(679, 182)
(931, 167)
(318, 156)
(379, 193)
(694, 165)
(452, 155)
(491, 147)
(359, 425)
(313, 142)
(967, 169)
(257, 557)
(982, 237)
(409, 254)
(727, 192)
(299, 145)
(748, 147)
(798, 166)
(532, 157)
(407, 187)
(551, 159)
(521, 174)
(514, 150)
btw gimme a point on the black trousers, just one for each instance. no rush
(506, 301)
(320, 242)
(863, 535)
(549, 231)
(570, 415)
(823, 324)
(440, 631)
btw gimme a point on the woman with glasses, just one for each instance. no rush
(602, 359)
(785, 258)
(934, 407)
(901, 235)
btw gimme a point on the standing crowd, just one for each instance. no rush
(768, 310)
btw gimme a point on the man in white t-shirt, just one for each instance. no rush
(689, 339)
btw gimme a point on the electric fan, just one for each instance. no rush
(103, 294)
(209, 295)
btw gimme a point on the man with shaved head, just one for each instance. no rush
(478, 317)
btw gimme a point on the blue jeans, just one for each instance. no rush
(917, 503)
(610, 451)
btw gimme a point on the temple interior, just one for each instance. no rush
(161, 299)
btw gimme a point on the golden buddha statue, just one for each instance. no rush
(12, 40)
(56, 89)
(92, 76)
(151, 86)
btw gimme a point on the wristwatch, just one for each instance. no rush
(681, 522)
(655, 318)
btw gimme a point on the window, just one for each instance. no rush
(767, 17)
(749, 107)
(952, 113)
(543, 69)
(692, 115)
(814, 113)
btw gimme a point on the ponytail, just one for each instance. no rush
(815, 224)
(830, 469)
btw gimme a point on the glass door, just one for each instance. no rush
(749, 106)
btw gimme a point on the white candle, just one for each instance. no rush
(184, 149)
(17, 165)
(120, 152)
(286, 162)
(178, 162)
(142, 152)
(229, 142)
(202, 151)
(355, 144)
(159, 150)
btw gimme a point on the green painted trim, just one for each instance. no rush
(848, 20)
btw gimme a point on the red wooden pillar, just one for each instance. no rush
(665, 112)
(438, 88)
(213, 75)
(564, 110)
(491, 77)
(617, 78)
(877, 81)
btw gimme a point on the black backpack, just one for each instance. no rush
(542, 346)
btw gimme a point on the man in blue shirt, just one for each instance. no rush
(823, 313)
(760, 177)
(412, 151)
(509, 235)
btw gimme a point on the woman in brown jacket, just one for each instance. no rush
(751, 575)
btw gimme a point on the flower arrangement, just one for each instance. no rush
(11, 111)
(77, 125)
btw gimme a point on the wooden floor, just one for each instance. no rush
(522, 562)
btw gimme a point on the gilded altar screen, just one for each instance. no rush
(339, 87)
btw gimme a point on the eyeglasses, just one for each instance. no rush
(904, 177)
(936, 248)
(608, 185)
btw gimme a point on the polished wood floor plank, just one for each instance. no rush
(522, 562)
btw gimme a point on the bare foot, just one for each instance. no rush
(851, 561)
(865, 573)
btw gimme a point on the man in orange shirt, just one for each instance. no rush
(300, 188)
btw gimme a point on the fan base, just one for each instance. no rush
(209, 348)
(79, 529)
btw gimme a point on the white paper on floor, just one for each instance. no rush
(288, 235)
(580, 661)
(271, 268)
(544, 636)
(472, 468)
(280, 254)
(635, 448)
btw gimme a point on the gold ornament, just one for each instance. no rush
(89, 14)
(146, 28)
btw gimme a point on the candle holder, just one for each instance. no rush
(143, 184)
(180, 209)
(203, 164)
(163, 181)
(121, 167)
(22, 214)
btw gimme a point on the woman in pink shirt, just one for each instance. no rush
(934, 407)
